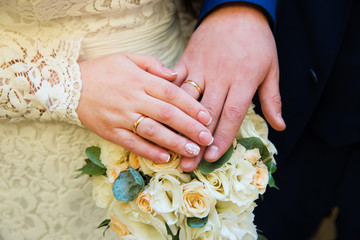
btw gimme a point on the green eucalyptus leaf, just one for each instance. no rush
(93, 154)
(128, 185)
(197, 222)
(208, 167)
(91, 169)
(104, 223)
(254, 142)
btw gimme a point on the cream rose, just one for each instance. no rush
(252, 155)
(118, 227)
(234, 226)
(210, 231)
(217, 182)
(243, 193)
(166, 191)
(141, 225)
(261, 177)
(149, 167)
(112, 154)
(102, 191)
(197, 200)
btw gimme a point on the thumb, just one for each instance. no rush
(270, 100)
(152, 65)
(181, 69)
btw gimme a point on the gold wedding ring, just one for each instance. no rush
(194, 84)
(136, 123)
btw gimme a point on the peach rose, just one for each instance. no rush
(252, 155)
(261, 177)
(118, 227)
(143, 202)
(197, 200)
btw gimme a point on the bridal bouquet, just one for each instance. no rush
(159, 201)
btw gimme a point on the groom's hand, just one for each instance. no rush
(231, 55)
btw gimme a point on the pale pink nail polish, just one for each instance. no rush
(164, 157)
(192, 149)
(212, 152)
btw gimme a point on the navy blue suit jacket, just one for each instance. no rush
(316, 87)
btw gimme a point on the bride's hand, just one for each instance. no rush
(119, 88)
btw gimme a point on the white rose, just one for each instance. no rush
(261, 177)
(243, 193)
(217, 182)
(166, 191)
(149, 167)
(252, 155)
(210, 231)
(235, 226)
(112, 154)
(102, 191)
(254, 125)
(140, 224)
(197, 200)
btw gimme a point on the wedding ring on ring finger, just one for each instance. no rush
(193, 87)
(162, 136)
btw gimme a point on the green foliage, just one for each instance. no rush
(128, 185)
(197, 222)
(169, 232)
(93, 154)
(91, 169)
(261, 237)
(105, 223)
(208, 167)
(254, 142)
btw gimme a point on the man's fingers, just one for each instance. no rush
(189, 164)
(235, 108)
(182, 72)
(270, 100)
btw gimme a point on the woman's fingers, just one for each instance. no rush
(138, 145)
(172, 94)
(160, 135)
(177, 120)
(152, 65)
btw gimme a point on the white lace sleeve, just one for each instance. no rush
(39, 78)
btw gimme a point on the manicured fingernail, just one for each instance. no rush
(280, 119)
(164, 157)
(204, 118)
(192, 149)
(168, 71)
(206, 138)
(212, 152)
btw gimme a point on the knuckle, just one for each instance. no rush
(233, 112)
(128, 142)
(276, 99)
(173, 143)
(211, 109)
(148, 130)
(192, 127)
(165, 113)
(169, 93)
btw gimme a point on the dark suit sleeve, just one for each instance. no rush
(269, 7)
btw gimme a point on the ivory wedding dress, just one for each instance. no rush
(42, 142)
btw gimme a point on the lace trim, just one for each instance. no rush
(39, 84)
